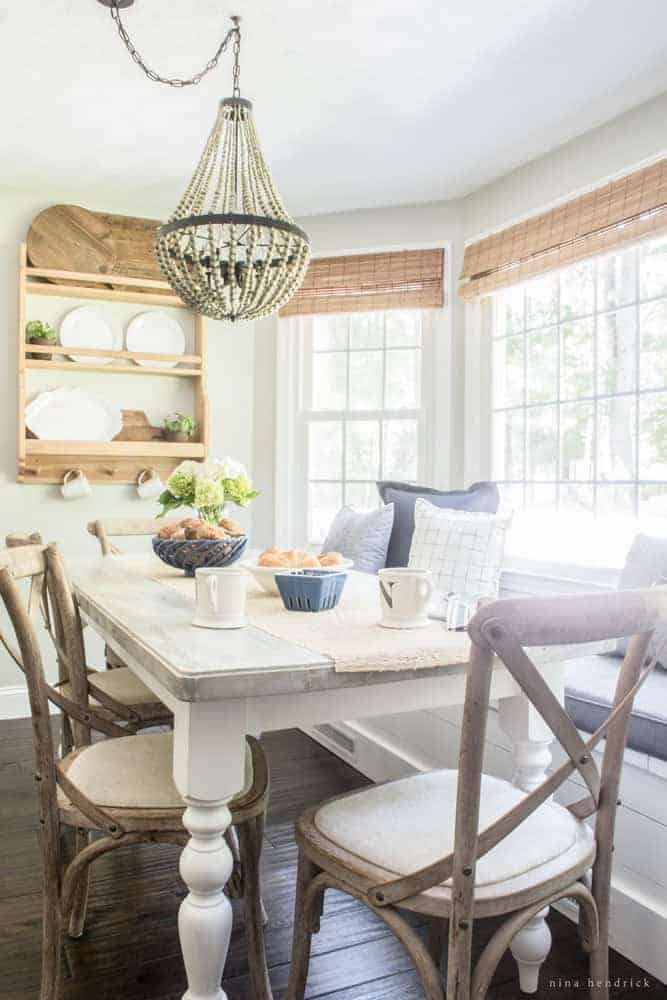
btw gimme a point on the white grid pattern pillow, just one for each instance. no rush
(463, 549)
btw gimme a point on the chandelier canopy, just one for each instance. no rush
(229, 250)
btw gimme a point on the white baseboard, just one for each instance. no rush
(639, 910)
(14, 703)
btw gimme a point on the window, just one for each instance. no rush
(579, 413)
(364, 398)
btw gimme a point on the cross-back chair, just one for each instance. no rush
(118, 695)
(120, 788)
(459, 846)
(104, 529)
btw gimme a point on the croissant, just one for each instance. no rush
(274, 560)
(231, 526)
(331, 559)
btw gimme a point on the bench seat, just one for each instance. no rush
(589, 693)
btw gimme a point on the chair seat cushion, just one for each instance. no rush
(132, 772)
(123, 686)
(408, 824)
(589, 694)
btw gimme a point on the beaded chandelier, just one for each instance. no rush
(229, 250)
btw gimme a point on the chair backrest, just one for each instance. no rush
(104, 529)
(39, 562)
(505, 629)
(44, 567)
(20, 563)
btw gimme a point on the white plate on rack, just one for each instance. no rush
(155, 332)
(87, 326)
(72, 415)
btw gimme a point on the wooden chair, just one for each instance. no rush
(118, 695)
(125, 527)
(120, 789)
(414, 844)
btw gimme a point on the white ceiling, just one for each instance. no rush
(363, 103)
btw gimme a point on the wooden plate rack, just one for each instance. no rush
(41, 461)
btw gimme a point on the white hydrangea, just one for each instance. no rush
(231, 468)
(214, 468)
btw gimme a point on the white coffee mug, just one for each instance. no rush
(149, 485)
(404, 597)
(75, 485)
(221, 597)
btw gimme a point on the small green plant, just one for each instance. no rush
(44, 331)
(180, 423)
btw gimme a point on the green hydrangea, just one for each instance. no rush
(239, 490)
(209, 494)
(182, 485)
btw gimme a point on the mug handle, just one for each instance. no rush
(425, 590)
(212, 587)
(146, 476)
(75, 473)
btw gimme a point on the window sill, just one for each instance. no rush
(524, 576)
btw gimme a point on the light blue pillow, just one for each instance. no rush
(362, 536)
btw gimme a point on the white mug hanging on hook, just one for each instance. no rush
(75, 485)
(149, 485)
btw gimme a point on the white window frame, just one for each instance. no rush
(297, 341)
(480, 324)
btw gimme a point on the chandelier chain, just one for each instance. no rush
(234, 33)
(237, 54)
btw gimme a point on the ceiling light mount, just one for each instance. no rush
(229, 250)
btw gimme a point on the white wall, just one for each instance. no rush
(27, 507)
(631, 140)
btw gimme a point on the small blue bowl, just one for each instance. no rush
(192, 554)
(310, 589)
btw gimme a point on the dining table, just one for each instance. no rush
(282, 670)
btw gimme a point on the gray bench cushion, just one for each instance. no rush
(589, 693)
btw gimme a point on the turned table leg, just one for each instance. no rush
(531, 754)
(209, 755)
(530, 948)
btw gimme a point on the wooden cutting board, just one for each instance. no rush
(71, 238)
(137, 428)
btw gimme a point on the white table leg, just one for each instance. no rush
(531, 741)
(530, 948)
(209, 758)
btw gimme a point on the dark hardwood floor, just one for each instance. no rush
(130, 948)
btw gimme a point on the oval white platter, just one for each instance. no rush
(87, 326)
(72, 415)
(155, 332)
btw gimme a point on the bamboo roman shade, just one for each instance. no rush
(409, 279)
(621, 212)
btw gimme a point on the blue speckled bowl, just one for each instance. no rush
(190, 555)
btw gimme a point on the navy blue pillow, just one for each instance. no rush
(479, 497)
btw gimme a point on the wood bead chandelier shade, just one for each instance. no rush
(229, 250)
